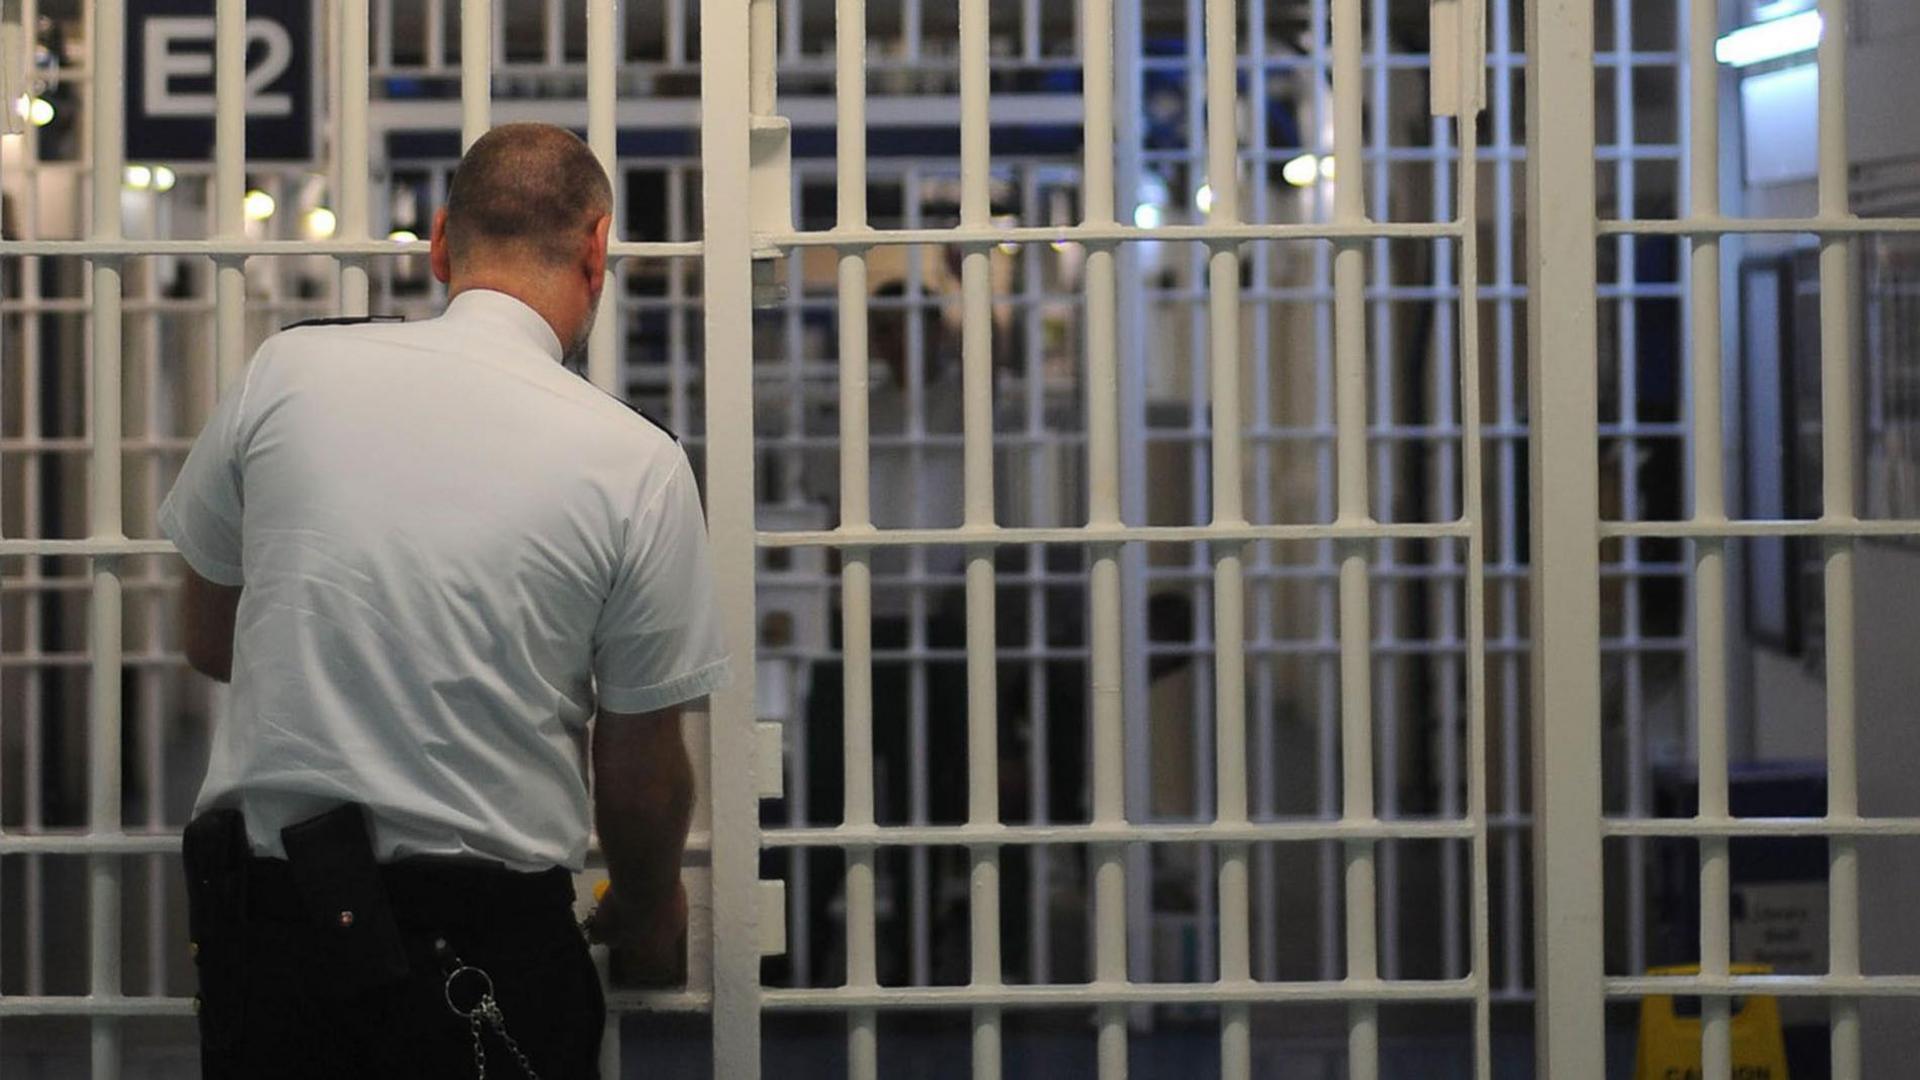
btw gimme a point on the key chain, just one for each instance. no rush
(484, 1014)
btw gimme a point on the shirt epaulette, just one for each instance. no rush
(346, 320)
(639, 412)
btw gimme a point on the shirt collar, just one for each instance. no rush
(498, 309)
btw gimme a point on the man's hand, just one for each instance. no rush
(649, 942)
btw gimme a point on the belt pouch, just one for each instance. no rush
(344, 898)
(215, 851)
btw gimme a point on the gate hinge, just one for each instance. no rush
(1459, 79)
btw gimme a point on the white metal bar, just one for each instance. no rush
(1473, 501)
(229, 188)
(350, 152)
(1363, 992)
(1229, 585)
(1350, 406)
(476, 69)
(106, 36)
(1564, 474)
(606, 46)
(1839, 397)
(1506, 415)
(976, 286)
(1709, 506)
(1107, 720)
(850, 96)
(1119, 534)
(726, 274)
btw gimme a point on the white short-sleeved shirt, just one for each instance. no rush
(452, 549)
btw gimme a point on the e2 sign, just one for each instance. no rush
(170, 80)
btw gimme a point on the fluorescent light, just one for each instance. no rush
(1765, 41)
(258, 205)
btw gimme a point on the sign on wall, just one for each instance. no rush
(170, 80)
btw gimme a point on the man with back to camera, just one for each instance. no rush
(426, 555)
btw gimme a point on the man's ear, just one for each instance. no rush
(596, 253)
(438, 253)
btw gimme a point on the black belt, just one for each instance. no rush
(431, 891)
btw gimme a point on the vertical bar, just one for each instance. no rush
(605, 43)
(1709, 507)
(1563, 388)
(726, 271)
(476, 69)
(1135, 908)
(976, 285)
(229, 188)
(554, 26)
(605, 47)
(436, 34)
(1388, 667)
(1229, 583)
(1473, 502)
(856, 574)
(1506, 417)
(1356, 636)
(351, 184)
(1327, 765)
(31, 755)
(1107, 731)
(108, 40)
(1837, 446)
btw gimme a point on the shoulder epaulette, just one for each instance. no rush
(639, 412)
(346, 320)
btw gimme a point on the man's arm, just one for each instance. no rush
(208, 611)
(643, 806)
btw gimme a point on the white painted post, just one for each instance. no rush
(1563, 391)
(727, 269)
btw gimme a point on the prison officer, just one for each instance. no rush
(427, 555)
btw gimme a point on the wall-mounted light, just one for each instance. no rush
(1771, 40)
(258, 205)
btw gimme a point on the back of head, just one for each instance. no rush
(526, 193)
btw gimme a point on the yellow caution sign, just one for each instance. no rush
(1670, 1042)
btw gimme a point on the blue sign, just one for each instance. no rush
(169, 89)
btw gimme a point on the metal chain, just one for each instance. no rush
(484, 1014)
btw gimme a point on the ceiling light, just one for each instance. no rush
(1203, 199)
(1147, 216)
(39, 111)
(163, 178)
(139, 177)
(1765, 41)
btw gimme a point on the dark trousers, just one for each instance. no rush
(263, 1014)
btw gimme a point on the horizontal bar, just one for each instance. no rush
(1700, 530)
(627, 249)
(1685, 828)
(1114, 234)
(1183, 833)
(1708, 226)
(1080, 995)
(55, 1005)
(90, 547)
(1796, 986)
(1105, 534)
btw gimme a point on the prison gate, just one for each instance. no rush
(1153, 641)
